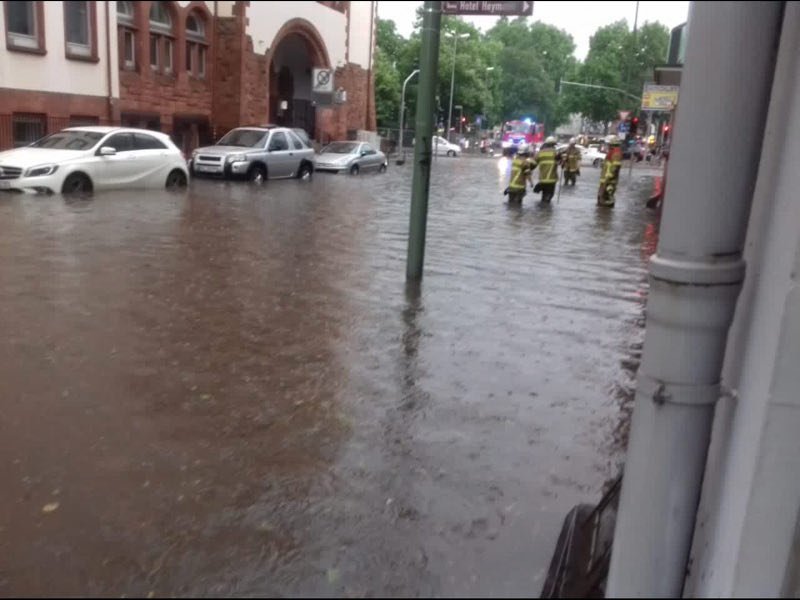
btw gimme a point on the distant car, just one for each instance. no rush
(441, 147)
(592, 155)
(257, 154)
(636, 150)
(350, 157)
(80, 160)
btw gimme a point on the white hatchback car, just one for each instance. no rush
(441, 147)
(79, 160)
(591, 156)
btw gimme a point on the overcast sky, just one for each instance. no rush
(580, 19)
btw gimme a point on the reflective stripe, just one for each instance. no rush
(573, 159)
(519, 170)
(548, 172)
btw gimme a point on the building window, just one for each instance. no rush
(128, 49)
(24, 26)
(126, 20)
(196, 46)
(28, 128)
(80, 30)
(155, 54)
(161, 38)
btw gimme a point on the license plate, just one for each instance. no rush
(207, 168)
(5, 185)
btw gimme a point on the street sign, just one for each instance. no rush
(659, 97)
(322, 81)
(487, 8)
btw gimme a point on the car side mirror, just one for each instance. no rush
(364, 153)
(107, 151)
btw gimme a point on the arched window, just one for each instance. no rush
(162, 45)
(196, 45)
(126, 30)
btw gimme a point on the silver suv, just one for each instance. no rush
(256, 153)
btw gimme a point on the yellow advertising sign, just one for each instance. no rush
(659, 97)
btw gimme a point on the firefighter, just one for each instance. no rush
(521, 169)
(610, 174)
(546, 160)
(570, 162)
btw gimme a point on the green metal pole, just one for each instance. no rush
(426, 96)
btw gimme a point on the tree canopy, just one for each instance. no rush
(514, 70)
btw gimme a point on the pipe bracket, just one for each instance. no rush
(661, 392)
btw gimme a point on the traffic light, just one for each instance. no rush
(463, 119)
(635, 126)
(666, 132)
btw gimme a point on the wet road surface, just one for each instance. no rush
(232, 392)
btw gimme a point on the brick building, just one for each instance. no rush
(192, 69)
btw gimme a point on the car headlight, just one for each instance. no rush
(41, 171)
(194, 153)
(236, 158)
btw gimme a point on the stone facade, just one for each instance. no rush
(239, 86)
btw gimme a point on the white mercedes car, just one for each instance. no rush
(80, 160)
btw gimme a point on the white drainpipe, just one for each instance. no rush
(695, 278)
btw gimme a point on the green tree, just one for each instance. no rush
(532, 58)
(389, 46)
(618, 58)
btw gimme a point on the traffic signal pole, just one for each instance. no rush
(429, 63)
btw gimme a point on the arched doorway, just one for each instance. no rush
(297, 49)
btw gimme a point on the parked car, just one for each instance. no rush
(441, 147)
(82, 159)
(256, 153)
(350, 157)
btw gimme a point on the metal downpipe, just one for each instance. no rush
(695, 279)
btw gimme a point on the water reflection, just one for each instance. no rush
(232, 392)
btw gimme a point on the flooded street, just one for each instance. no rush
(232, 391)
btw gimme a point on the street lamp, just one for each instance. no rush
(453, 76)
(402, 110)
(488, 70)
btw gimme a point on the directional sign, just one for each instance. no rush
(492, 9)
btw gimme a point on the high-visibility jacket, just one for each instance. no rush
(572, 159)
(612, 164)
(548, 166)
(520, 171)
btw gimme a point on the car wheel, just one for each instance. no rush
(257, 174)
(77, 184)
(451, 153)
(176, 180)
(354, 170)
(382, 168)
(306, 171)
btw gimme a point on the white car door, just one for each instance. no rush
(151, 161)
(113, 171)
